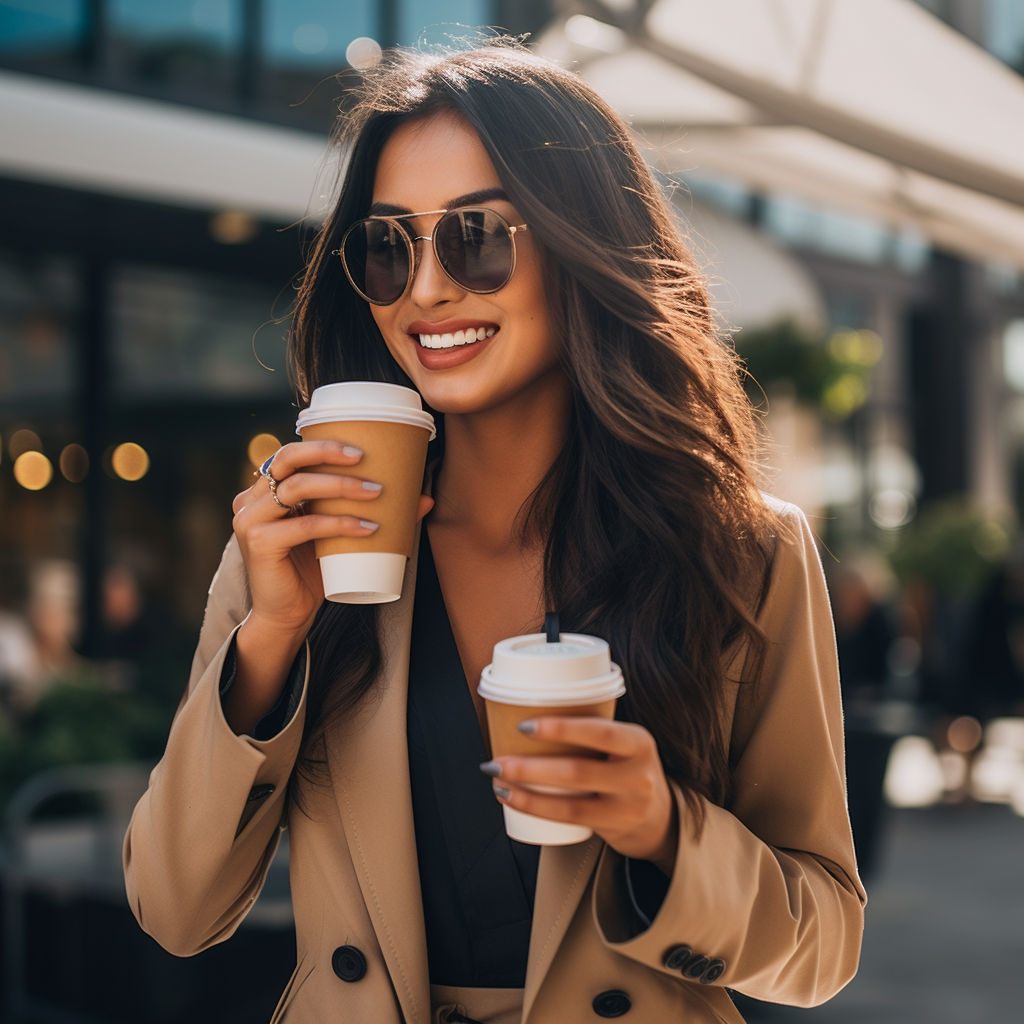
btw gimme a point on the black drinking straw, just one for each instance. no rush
(551, 627)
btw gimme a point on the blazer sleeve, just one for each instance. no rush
(204, 833)
(770, 884)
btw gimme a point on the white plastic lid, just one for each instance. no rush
(366, 400)
(528, 670)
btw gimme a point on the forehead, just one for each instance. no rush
(424, 163)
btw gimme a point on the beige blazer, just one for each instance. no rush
(770, 887)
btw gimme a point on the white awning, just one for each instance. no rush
(874, 106)
(92, 139)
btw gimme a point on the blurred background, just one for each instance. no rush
(852, 177)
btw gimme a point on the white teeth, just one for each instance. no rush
(466, 337)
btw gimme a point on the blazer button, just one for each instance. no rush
(613, 1003)
(696, 967)
(349, 963)
(677, 957)
(713, 971)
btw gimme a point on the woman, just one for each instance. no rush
(595, 458)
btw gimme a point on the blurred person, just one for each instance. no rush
(21, 675)
(134, 627)
(991, 676)
(54, 614)
(596, 456)
(865, 638)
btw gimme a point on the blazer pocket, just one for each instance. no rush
(302, 971)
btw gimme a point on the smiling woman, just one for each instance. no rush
(499, 245)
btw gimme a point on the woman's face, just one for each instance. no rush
(435, 164)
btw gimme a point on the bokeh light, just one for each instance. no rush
(261, 447)
(23, 441)
(130, 461)
(363, 53)
(74, 463)
(964, 734)
(33, 470)
(233, 227)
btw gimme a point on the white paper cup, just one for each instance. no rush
(529, 677)
(389, 424)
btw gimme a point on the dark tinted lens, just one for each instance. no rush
(475, 249)
(377, 260)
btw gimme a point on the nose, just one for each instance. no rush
(430, 284)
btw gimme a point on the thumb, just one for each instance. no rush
(426, 504)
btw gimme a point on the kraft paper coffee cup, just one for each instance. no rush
(390, 425)
(529, 677)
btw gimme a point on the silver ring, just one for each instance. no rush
(268, 476)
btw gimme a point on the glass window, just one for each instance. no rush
(1005, 31)
(38, 299)
(304, 43)
(187, 47)
(181, 335)
(41, 32)
(437, 21)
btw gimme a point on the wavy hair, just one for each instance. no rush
(656, 536)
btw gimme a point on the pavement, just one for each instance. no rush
(944, 933)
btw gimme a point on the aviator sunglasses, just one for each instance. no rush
(474, 246)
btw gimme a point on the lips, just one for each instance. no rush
(451, 333)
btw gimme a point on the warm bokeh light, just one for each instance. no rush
(74, 463)
(130, 461)
(261, 447)
(33, 470)
(964, 734)
(233, 227)
(24, 441)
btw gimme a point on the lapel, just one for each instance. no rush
(369, 762)
(562, 877)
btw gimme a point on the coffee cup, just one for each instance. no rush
(532, 676)
(388, 422)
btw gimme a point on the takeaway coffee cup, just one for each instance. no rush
(389, 424)
(531, 676)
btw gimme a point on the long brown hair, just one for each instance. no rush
(657, 538)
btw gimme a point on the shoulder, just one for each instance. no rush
(796, 564)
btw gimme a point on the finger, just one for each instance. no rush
(425, 505)
(300, 454)
(589, 809)
(281, 535)
(585, 774)
(307, 486)
(620, 739)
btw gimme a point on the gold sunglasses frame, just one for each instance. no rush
(410, 243)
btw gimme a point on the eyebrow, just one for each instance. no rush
(484, 195)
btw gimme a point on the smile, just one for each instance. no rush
(468, 336)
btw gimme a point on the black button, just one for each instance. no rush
(259, 792)
(677, 957)
(349, 963)
(613, 1003)
(713, 971)
(696, 967)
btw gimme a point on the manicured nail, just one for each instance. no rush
(527, 728)
(491, 768)
(352, 451)
(368, 524)
(501, 792)
(376, 488)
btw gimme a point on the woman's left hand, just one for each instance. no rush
(625, 798)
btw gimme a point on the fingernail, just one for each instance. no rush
(502, 792)
(368, 524)
(491, 768)
(528, 728)
(376, 488)
(352, 451)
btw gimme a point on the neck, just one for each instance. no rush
(495, 459)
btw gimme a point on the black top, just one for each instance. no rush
(478, 885)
